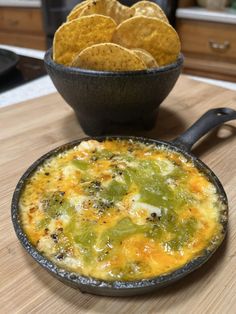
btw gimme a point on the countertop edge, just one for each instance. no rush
(228, 16)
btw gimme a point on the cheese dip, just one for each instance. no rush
(120, 210)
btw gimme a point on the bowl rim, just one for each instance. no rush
(48, 60)
(82, 281)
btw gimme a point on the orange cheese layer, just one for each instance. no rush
(120, 210)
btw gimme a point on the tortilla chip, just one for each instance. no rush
(111, 8)
(146, 57)
(149, 9)
(151, 34)
(72, 37)
(108, 57)
(76, 11)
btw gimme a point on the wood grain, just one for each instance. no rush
(28, 20)
(23, 40)
(30, 129)
(186, 3)
(22, 27)
(202, 66)
(195, 36)
(201, 58)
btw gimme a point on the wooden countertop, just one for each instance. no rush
(30, 129)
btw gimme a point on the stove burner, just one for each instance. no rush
(26, 70)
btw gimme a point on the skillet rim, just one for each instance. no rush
(119, 288)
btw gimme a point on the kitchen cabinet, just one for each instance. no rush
(22, 27)
(209, 46)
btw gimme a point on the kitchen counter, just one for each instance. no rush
(21, 3)
(44, 86)
(196, 13)
(32, 128)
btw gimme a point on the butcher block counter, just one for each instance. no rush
(31, 129)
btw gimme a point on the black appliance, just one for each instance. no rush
(55, 12)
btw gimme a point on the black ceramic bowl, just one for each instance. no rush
(100, 98)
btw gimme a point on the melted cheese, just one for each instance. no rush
(120, 210)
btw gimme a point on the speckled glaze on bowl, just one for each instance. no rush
(100, 98)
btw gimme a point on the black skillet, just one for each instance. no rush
(8, 60)
(182, 144)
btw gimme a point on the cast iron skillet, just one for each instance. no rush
(182, 144)
(8, 60)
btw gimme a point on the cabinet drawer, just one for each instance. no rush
(26, 20)
(23, 40)
(215, 40)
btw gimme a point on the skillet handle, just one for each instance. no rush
(207, 122)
